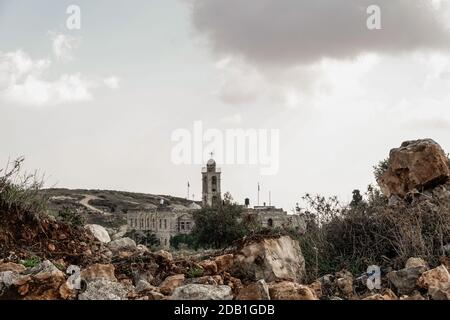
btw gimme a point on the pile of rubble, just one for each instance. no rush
(264, 269)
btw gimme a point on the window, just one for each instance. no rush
(270, 223)
(165, 224)
(182, 225)
(160, 223)
(188, 226)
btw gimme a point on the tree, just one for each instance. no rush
(357, 198)
(220, 225)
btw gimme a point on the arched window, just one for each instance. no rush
(270, 223)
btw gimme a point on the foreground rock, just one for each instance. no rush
(97, 272)
(100, 233)
(103, 289)
(202, 292)
(416, 165)
(255, 291)
(437, 281)
(287, 290)
(271, 259)
(405, 280)
(123, 244)
(42, 282)
(171, 283)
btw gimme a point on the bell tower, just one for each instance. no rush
(211, 194)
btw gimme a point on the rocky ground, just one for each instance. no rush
(255, 269)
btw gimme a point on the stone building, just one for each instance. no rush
(211, 194)
(166, 221)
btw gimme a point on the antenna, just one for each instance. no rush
(258, 192)
(270, 200)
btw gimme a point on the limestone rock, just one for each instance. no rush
(103, 289)
(209, 266)
(123, 244)
(416, 262)
(254, 291)
(14, 267)
(287, 290)
(316, 287)
(99, 271)
(171, 283)
(387, 295)
(271, 259)
(98, 232)
(154, 295)
(165, 254)
(213, 280)
(224, 262)
(202, 292)
(46, 270)
(144, 286)
(419, 164)
(405, 280)
(437, 281)
(345, 282)
(436, 277)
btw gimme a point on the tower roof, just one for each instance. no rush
(211, 162)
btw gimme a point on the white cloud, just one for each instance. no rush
(63, 45)
(25, 81)
(112, 82)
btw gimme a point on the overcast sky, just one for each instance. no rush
(96, 107)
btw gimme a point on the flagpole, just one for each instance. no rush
(188, 190)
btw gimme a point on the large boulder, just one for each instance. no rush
(416, 165)
(202, 292)
(406, 280)
(123, 244)
(271, 259)
(98, 232)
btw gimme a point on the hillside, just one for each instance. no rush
(106, 207)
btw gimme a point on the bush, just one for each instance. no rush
(147, 237)
(19, 194)
(71, 217)
(354, 237)
(219, 226)
(380, 168)
(189, 240)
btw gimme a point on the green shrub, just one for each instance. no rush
(195, 272)
(71, 217)
(31, 262)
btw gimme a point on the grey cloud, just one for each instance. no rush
(293, 32)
